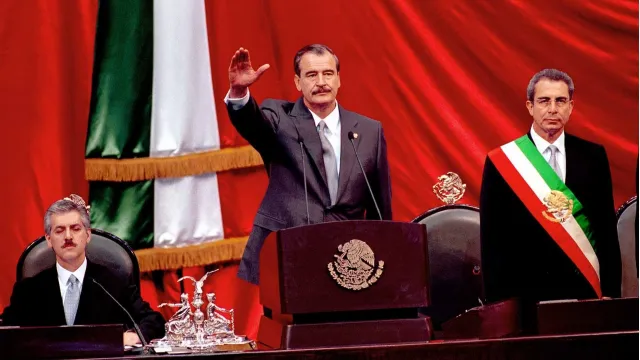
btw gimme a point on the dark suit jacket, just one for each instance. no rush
(37, 301)
(276, 130)
(520, 259)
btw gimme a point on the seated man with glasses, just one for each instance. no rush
(548, 225)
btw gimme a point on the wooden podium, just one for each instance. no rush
(304, 280)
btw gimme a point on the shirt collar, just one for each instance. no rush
(63, 274)
(543, 144)
(332, 120)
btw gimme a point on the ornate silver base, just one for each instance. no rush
(209, 344)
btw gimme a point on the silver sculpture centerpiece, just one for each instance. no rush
(196, 330)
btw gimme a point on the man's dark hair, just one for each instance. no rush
(550, 74)
(317, 49)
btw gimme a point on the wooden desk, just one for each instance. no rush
(50, 342)
(614, 345)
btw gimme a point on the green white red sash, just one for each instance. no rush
(532, 179)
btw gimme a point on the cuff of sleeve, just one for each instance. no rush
(237, 104)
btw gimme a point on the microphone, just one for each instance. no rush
(304, 175)
(135, 326)
(352, 136)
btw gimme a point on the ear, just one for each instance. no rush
(88, 235)
(570, 106)
(48, 238)
(530, 107)
(296, 80)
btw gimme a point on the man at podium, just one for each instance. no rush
(310, 149)
(548, 225)
(69, 293)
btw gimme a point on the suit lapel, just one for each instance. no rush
(56, 312)
(573, 167)
(307, 128)
(83, 314)
(348, 122)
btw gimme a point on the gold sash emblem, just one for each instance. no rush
(559, 206)
(355, 266)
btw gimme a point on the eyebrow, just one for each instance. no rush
(317, 71)
(548, 97)
(71, 225)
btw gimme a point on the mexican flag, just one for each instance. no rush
(153, 149)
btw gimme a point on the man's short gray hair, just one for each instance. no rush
(550, 74)
(62, 207)
(317, 49)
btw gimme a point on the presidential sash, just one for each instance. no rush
(550, 202)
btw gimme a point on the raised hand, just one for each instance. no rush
(241, 73)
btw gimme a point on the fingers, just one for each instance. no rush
(244, 55)
(261, 70)
(240, 57)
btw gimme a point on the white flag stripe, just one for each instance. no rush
(183, 111)
(541, 189)
(183, 120)
(187, 213)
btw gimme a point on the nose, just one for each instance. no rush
(553, 108)
(67, 233)
(321, 80)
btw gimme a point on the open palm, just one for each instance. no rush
(241, 73)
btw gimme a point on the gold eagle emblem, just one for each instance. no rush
(559, 206)
(354, 268)
(449, 188)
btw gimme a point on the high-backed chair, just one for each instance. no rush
(628, 238)
(453, 241)
(104, 249)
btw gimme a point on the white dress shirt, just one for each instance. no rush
(543, 146)
(332, 131)
(63, 277)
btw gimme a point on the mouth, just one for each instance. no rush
(68, 245)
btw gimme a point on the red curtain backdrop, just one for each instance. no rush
(446, 78)
(46, 57)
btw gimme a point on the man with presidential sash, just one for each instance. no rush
(548, 225)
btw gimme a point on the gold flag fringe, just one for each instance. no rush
(213, 252)
(138, 169)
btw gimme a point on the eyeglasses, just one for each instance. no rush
(545, 102)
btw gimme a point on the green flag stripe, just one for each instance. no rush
(124, 209)
(120, 113)
(555, 183)
(120, 117)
